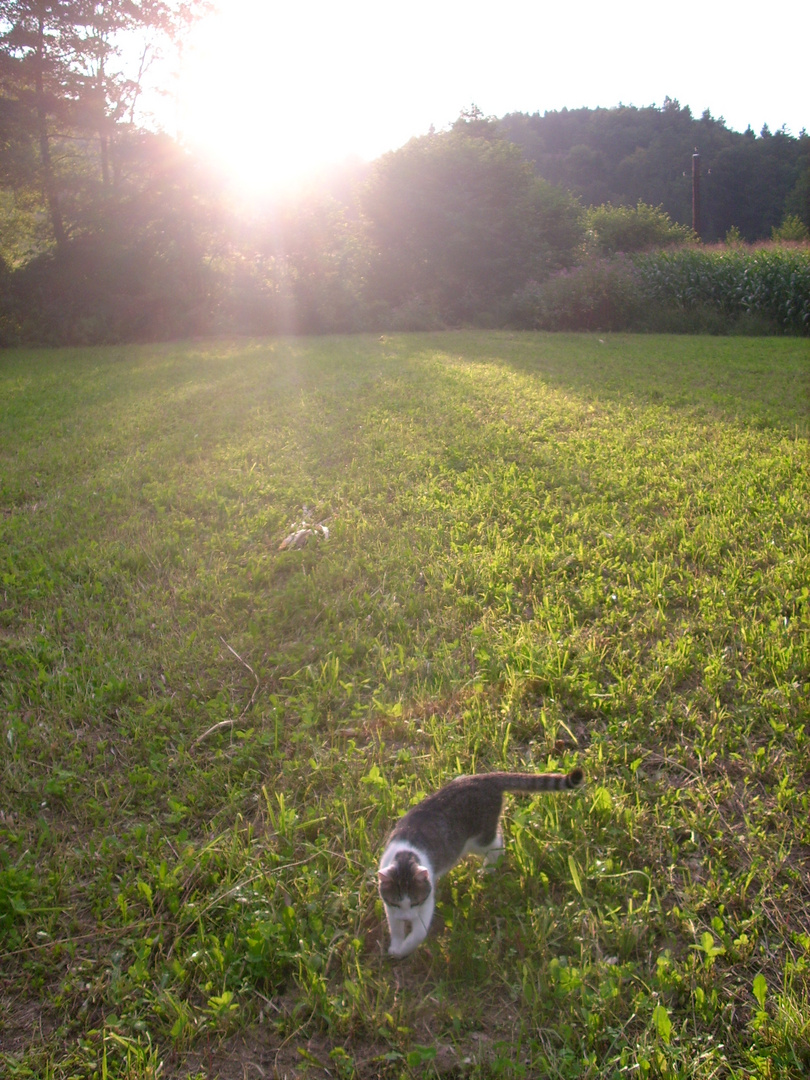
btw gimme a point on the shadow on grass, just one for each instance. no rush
(758, 382)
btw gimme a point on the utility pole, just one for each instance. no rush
(696, 193)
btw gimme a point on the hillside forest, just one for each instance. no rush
(110, 231)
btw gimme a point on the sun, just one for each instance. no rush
(271, 93)
(274, 91)
(232, 106)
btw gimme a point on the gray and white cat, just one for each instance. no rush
(462, 817)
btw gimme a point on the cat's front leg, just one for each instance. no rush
(404, 946)
(399, 930)
(400, 949)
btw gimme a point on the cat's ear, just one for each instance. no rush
(386, 875)
(422, 874)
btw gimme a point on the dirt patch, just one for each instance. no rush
(25, 1025)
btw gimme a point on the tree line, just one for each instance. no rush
(112, 232)
(625, 155)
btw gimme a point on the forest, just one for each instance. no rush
(111, 231)
(625, 155)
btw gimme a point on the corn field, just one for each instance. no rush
(770, 282)
(687, 290)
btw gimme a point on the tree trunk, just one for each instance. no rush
(103, 127)
(49, 185)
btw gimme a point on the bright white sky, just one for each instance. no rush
(276, 89)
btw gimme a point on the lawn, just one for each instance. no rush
(538, 551)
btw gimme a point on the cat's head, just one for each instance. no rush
(404, 882)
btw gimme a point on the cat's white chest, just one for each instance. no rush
(408, 924)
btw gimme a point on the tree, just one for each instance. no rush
(459, 220)
(301, 268)
(625, 155)
(59, 64)
(797, 202)
(107, 228)
(34, 73)
(145, 269)
(750, 183)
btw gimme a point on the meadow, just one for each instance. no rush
(543, 551)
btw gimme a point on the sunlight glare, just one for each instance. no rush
(273, 91)
(271, 99)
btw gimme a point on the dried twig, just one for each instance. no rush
(234, 720)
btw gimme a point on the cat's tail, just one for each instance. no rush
(540, 781)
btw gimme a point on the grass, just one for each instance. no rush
(543, 550)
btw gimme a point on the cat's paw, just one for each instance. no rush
(397, 952)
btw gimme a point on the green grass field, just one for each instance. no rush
(543, 551)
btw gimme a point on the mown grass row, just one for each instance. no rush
(542, 550)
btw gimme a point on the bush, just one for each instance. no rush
(612, 229)
(597, 295)
(734, 238)
(792, 228)
(9, 319)
(414, 315)
(759, 291)
(97, 293)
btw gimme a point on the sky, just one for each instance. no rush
(273, 90)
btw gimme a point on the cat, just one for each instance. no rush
(462, 817)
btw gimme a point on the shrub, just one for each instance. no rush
(737, 290)
(96, 293)
(626, 228)
(597, 295)
(734, 238)
(792, 228)
(524, 310)
(414, 314)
